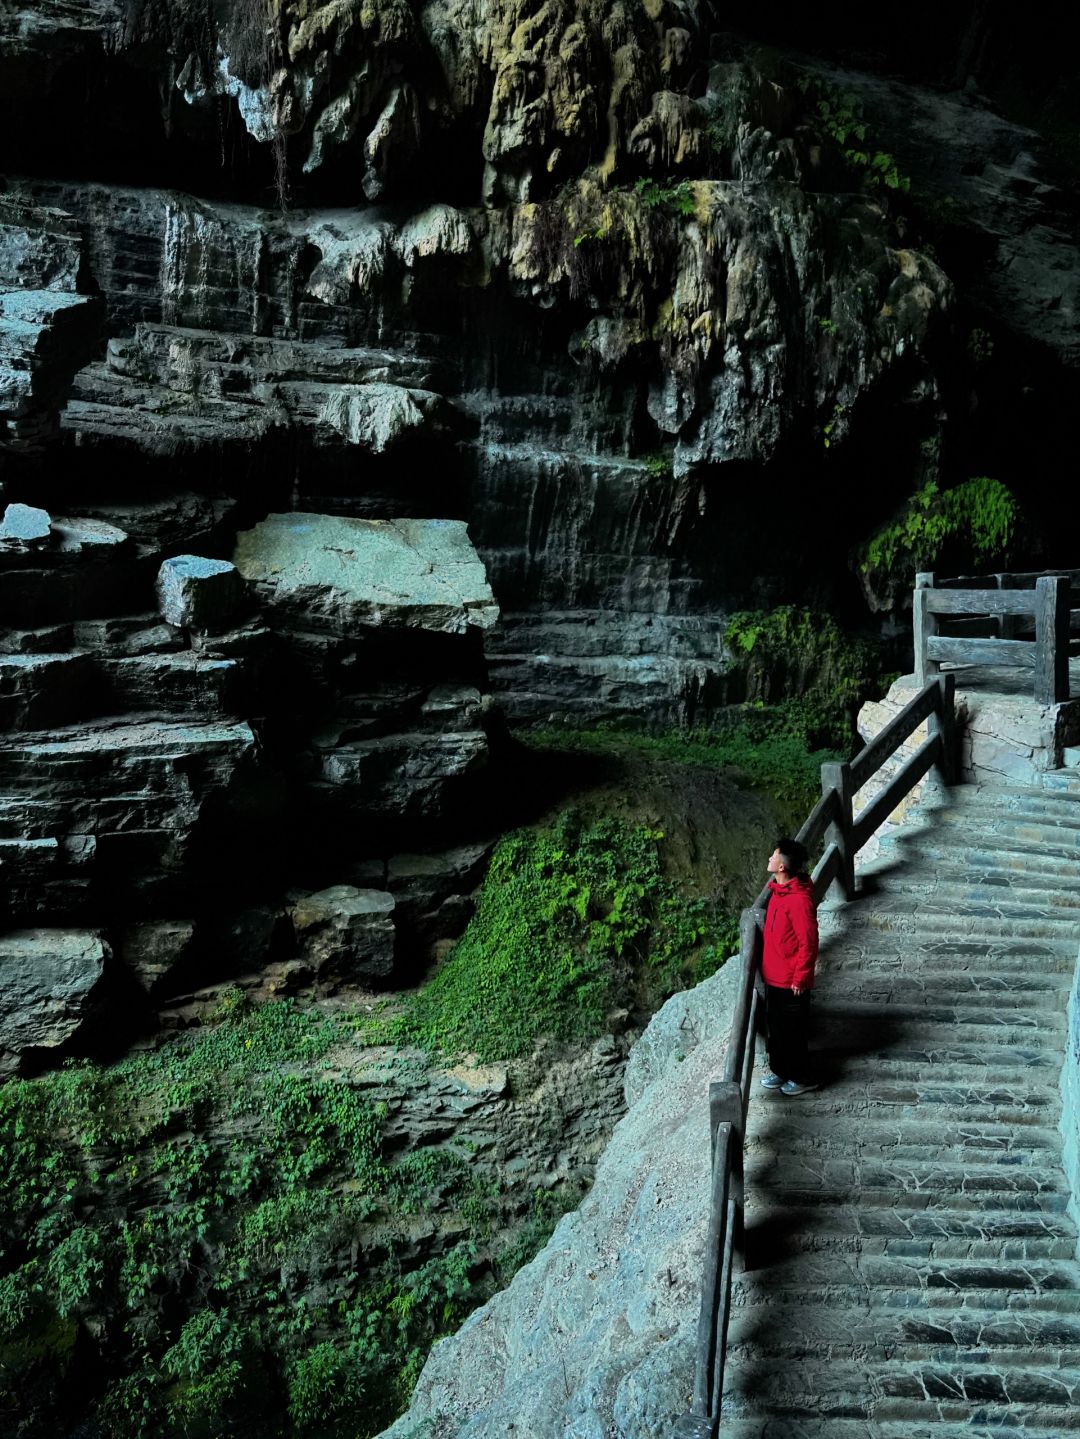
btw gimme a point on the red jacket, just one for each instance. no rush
(791, 935)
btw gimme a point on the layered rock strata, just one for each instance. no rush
(170, 777)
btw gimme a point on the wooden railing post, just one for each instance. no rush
(1008, 626)
(726, 1105)
(942, 722)
(923, 624)
(838, 777)
(1052, 639)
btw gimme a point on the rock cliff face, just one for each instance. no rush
(460, 413)
(573, 276)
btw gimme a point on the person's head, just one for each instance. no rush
(788, 859)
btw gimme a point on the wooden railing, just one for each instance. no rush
(1001, 603)
(831, 823)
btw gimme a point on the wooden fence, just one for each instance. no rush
(830, 822)
(1024, 619)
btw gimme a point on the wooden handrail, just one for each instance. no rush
(1048, 603)
(729, 1096)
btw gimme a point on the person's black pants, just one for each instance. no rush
(788, 1018)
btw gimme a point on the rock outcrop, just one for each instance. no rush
(596, 1337)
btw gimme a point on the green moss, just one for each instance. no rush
(769, 748)
(676, 198)
(810, 672)
(221, 1271)
(974, 521)
(572, 920)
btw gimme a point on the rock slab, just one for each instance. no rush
(197, 593)
(342, 574)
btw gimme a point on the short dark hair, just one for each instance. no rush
(793, 854)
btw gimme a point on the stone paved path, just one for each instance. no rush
(911, 1268)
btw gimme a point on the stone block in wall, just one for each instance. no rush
(345, 935)
(37, 690)
(152, 951)
(195, 593)
(47, 982)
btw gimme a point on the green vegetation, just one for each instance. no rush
(839, 114)
(199, 1209)
(829, 428)
(673, 199)
(658, 466)
(220, 1276)
(975, 521)
(802, 663)
(213, 1237)
(573, 921)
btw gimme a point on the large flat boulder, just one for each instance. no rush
(333, 572)
(47, 978)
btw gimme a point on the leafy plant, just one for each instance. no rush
(979, 517)
(658, 466)
(829, 428)
(675, 199)
(839, 114)
(807, 668)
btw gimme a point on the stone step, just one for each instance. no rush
(934, 1097)
(928, 847)
(834, 1015)
(787, 1129)
(873, 951)
(912, 1281)
(835, 1427)
(940, 883)
(919, 1392)
(841, 1222)
(1065, 780)
(906, 1184)
(917, 919)
(1009, 799)
(1056, 1243)
(1010, 828)
(869, 1325)
(962, 1067)
(1023, 993)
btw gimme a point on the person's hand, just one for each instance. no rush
(796, 989)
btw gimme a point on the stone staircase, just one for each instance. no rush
(911, 1264)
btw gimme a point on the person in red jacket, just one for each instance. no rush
(788, 959)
